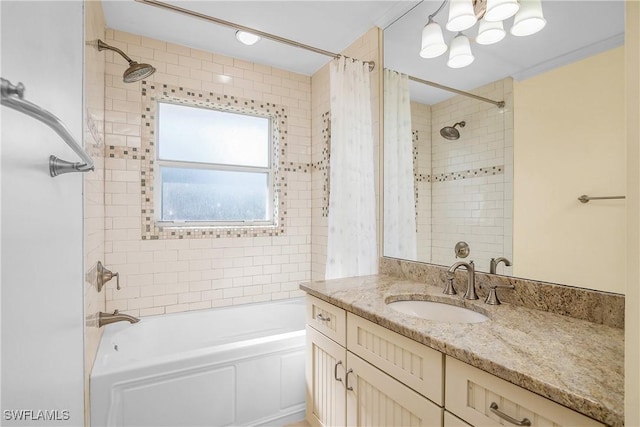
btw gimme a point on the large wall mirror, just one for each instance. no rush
(507, 180)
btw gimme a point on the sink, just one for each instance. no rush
(438, 311)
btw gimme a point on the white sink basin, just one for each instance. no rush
(440, 312)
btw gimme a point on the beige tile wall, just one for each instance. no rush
(421, 128)
(164, 276)
(366, 48)
(472, 177)
(93, 137)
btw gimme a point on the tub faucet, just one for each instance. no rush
(106, 318)
(471, 278)
(493, 264)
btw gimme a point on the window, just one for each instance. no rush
(213, 167)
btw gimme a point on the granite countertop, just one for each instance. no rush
(573, 362)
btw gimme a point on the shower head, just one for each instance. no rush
(450, 132)
(135, 71)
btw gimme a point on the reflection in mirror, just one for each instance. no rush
(508, 185)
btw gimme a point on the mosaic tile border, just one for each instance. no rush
(153, 92)
(323, 165)
(469, 173)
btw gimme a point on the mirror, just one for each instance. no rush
(509, 184)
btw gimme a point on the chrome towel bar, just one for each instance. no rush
(12, 97)
(585, 199)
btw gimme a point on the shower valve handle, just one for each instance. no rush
(104, 275)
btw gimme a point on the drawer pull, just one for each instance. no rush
(494, 409)
(347, 380)
(321, 318)
(335, 371)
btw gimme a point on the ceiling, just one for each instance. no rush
(328, 25)
(575, 29)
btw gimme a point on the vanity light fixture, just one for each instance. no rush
(247, 38)
(464, 14)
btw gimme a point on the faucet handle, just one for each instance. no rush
(492, 296)
(104, 275)
(448, 288)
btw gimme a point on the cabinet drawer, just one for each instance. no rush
(470, 393)
(327, 318)
(410, 362)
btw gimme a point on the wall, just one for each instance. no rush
(421, 129)
(164, 275)
(471, 177)
(366, 48)
(569, 141)
(632, 318)
(42, 292)
(93, 127)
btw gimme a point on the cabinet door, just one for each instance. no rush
(375, 399)
(326, 361)
(451, 420)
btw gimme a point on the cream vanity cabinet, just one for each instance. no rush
(351, 368)
(361, 374)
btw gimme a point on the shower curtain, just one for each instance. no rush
(399, 200)
(352, 245)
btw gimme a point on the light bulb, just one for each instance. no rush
(461, 15)
(529, 19)
(499, 10)
(247, 38)
(490, 32)
(460, 52)
(433, 44)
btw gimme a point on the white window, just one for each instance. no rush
(213, 167)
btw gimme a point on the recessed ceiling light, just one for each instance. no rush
(247, 38)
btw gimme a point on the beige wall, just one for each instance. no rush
(569, 141)
(169, 275)
(421, 130)
(93, 128)
(632, 309)
(366, 48)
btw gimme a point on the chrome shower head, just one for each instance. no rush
(450, 132)
(135, 71)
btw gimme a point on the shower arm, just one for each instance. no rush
(12, 97)
(102, 46)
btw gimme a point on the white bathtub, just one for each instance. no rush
(241, 365)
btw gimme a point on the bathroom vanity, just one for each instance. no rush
(371, 365)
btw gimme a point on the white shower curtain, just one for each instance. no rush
(352, 245)
(399, 201)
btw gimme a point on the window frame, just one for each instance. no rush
(270, 171)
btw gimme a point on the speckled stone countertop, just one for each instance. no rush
(573, 362)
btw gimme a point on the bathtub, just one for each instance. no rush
(241, 365)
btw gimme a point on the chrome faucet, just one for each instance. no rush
(471, 278)
(493, 264)
(106, 318)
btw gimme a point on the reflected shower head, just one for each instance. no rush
(450, 132)
(135, 71)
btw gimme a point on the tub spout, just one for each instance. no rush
(106, 318)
